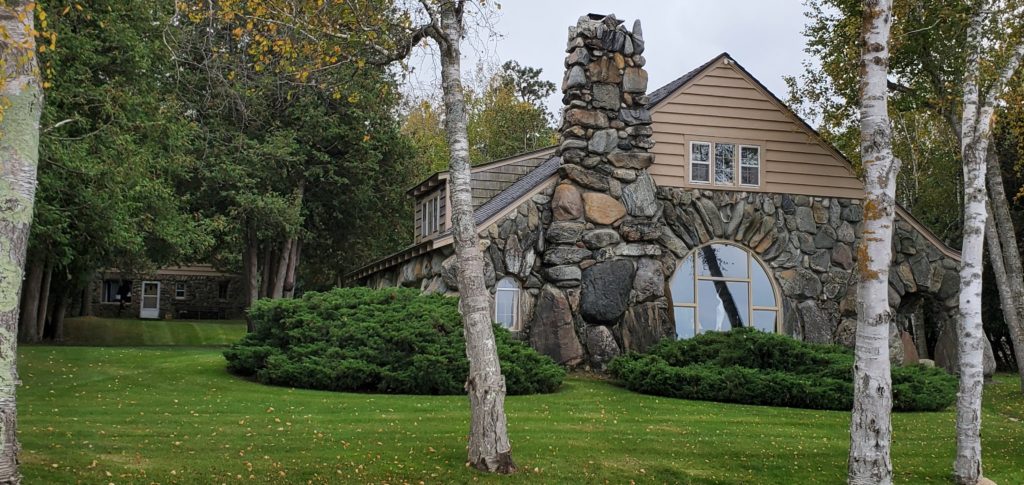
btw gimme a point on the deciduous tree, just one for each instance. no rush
(870, 426)
(21, 100)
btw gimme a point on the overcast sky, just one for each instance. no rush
(764, 36)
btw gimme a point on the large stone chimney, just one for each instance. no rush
(601, 258)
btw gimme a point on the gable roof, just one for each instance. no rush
(530, 182)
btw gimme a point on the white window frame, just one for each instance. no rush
(180, 291)
(430, 215)
(735, 155)
(739, 156)
(707, 163)
(516, 293)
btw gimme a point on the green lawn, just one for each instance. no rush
(137, 332)
(137, 415)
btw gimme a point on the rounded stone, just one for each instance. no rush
(602, 208)
(605, 294)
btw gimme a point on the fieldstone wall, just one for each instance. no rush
(594, 253)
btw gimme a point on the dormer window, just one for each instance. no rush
(717, 163)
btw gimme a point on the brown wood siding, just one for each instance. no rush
(723, 105)
(490, 182)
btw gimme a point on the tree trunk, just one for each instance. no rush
(293, 264)
(250, 259)
(281, 268)
(19, 156)
(870, 426)
(265, 272)
(57, 321)
(976, 132)
(86, 309)
(44, 301)
(1001, 238)
(489, 447)
(30, 303)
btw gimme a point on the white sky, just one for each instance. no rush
(762, 35)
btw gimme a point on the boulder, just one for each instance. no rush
(564, 232)
(603, 141)
(639, 196)
(605, 291)
(564, 273)
(644, 325)
(640, 230)
(566, 204)
(601, 346)
(634, 80)
(558, 256)
(606, 96)
(602, 208)
(586, 118)
(634, 160)
(552, 332)
(910, 356)
(513, 255)
(586, 178)
(599, 238)
(818, 328)
(947, 353)
(649, 282)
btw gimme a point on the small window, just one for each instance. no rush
(725, 157)
(430, 215)
(506, 303)
(700, 162)
(750, 165)
(117, 291)
(179, 290)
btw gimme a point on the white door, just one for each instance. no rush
(150, 307)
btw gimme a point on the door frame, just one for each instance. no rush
(151, 313)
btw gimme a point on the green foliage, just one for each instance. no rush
(391, 341)
(114, 143)
(506, 117)
(752, 367)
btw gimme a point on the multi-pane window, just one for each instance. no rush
(719, 287)
(179, 290)
(506, 303)
(750, 165)
(725, 156)
(725, 164)
(430, 215)
(700, 162)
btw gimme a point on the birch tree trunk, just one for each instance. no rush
(250, 260)
(22, 101)
(1006, 296)
(1002, 246)
(281, 268)
(870, 426)
(976, 131)
(293, 264)
(489, 447)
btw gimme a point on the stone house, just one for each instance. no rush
(197, 291)
(704, 205)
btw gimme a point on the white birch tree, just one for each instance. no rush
(870, 426)
(489, 447)
(21, 101)
(976, 132)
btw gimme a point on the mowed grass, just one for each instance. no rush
(136, 332)
(147, 415)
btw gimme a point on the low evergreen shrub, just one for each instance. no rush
(748, 366)
(391, 341)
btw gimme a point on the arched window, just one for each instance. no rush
(506, 303)
(720, 286)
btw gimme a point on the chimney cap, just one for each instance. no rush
(598, 17)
